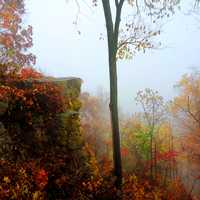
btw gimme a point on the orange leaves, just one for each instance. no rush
(19, 94)
(92, 186)
(185, 108)
(19, 180)
(26, 179)
(29, 72)
(45, 99)
(6, 40)
(186, 105)
(106, 166)
(11, 13)
(14, 39)
(177, 190)
(4, 91)
(7, 17)
(10, 94)
(139, 189)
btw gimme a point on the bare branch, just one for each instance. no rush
(133, 40)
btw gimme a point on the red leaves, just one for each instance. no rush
(41, 98)
(167, 155)
(198, 177)
(41, 179)
(29, 72)
(124, 152)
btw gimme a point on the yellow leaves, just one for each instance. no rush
(133, 189)
(157, 195)
(7, 17)
(37, 195)
(186, 105)
(189, 83)
(92, 185)
(92, 162)
(6, 179)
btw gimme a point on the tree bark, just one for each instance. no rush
(115, 123)
(112, 36)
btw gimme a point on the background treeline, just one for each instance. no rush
(160, 142)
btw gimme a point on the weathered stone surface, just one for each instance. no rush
(69, 128)
(61, 134)
(65, 130)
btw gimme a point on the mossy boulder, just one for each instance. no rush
(59, 129)
(69, 121)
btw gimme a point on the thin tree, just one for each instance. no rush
(154, 112)
(126, 37)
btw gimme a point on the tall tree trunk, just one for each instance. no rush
(115, 121)
(112, 36)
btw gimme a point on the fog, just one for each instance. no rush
(60, 142)
(62, 51)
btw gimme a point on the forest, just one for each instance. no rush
(60, 142)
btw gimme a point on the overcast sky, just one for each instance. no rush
(61, 51)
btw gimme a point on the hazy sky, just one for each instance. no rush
(62, 52)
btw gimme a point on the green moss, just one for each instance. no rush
(69, 121)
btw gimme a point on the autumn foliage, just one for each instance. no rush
(39, 121)
(15, 40)
(48, 173)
